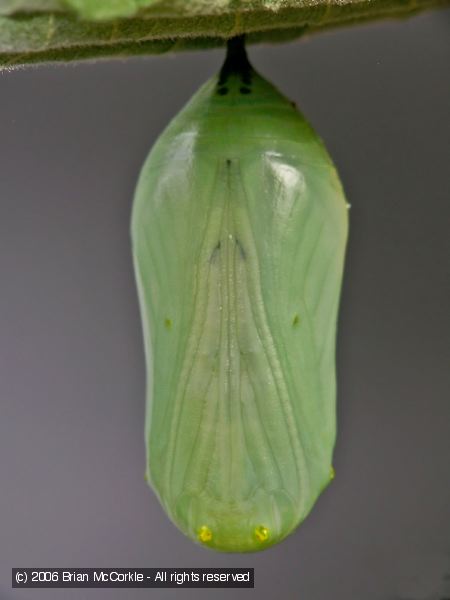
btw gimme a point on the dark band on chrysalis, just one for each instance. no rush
(236, 63)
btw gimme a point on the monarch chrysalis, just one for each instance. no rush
(239, 228)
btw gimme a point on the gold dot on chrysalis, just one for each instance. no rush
(261, 533)
(167, 323)
(332, 473)
(204, 534)
(295, 320)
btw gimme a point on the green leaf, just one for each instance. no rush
(33, 31)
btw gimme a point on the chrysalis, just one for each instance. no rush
(239, 228)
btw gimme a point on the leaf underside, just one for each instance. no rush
(36, 31)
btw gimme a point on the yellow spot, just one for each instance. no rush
(332, 473)
(295, 320)
(168, 323)
(261, 533)
(204, 534)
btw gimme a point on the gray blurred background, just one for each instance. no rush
(72, 492)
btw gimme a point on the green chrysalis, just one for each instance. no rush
(239, 228)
